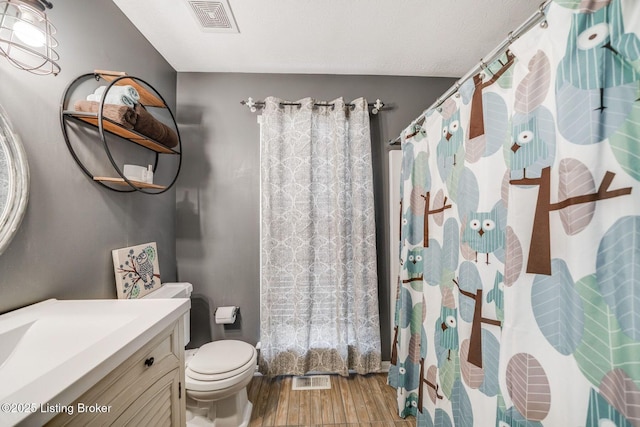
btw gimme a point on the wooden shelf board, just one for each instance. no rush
(116, 129)
(146, 97)
(121, 181)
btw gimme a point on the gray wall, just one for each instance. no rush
(218, 190)
(63, 248)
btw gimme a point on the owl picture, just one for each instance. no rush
(394, 376)
(448, 322)
(137, 270)
(404, 375)
(483, 232)
(414, 263)
(452, 137)
(412, 227)
(410, 406)
(599, 53)
(144, 261)
(597, 78)
(528, 146)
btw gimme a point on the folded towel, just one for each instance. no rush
(126, 90)
(121, 114)
(153, 128)
(119, 95)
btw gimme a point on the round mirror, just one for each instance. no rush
(14, 182)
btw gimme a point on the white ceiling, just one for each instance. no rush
(378, 37)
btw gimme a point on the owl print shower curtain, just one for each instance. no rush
(518, 302)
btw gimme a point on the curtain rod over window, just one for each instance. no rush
(254, 105)
(533, 20)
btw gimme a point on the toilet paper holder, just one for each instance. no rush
(234, 311)
(226, 315)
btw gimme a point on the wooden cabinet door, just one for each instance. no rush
(157, 406)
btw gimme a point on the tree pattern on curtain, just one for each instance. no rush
(519, 294)
(319, 293)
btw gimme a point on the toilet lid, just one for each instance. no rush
(221, 356)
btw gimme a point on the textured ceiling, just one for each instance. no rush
(377, 37)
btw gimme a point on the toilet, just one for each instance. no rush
(216, 374)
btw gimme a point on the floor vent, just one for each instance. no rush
(214, 16)
(314, 382)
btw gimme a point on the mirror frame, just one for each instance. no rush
(18, 172)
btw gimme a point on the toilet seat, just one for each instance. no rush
(220, 365)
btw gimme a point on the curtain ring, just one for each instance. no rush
(377, 106)
(510, 37)
(483, 67)
(544, 23)
(457, 89)
(251, 104)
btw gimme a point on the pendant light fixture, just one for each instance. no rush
(26, 36)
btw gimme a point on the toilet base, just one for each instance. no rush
(233, 411)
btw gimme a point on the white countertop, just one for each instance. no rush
(71, 345)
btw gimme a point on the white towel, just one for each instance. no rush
(119, 95)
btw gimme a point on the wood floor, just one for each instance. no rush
(365, 401)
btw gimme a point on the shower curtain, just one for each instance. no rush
(519, 293)
(319, 304)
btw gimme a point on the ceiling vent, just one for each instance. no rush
(214, 16)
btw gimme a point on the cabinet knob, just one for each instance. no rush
(149, 361)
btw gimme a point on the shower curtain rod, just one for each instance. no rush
(533, 20)
(254, 105)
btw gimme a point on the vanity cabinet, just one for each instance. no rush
(147, 389)
(150, 99)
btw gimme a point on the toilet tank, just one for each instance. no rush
(176, 290)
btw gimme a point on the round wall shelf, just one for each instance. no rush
(137, 125)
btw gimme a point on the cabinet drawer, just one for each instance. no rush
(118, 389)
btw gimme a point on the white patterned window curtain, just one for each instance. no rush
(519, 295)
(319, 297)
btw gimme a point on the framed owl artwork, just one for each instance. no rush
(137, 270)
